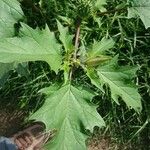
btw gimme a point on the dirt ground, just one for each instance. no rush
(106, 143)
(12, 122)
(101, 144)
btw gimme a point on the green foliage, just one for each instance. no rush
(10, 13)
(5, 68)
(100, 48)
(96, 54)
(68, 110)
(32, 45)
(140, 8)
(65, 38)
(84, 8)
(68, 107)
(99, 4)
(88, 8)
(119, 81)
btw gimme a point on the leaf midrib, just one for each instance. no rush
(103, 76)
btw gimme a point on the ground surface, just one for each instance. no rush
(12, 121)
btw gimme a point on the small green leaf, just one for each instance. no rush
(95, 55)
(32, 45)
(69, 110)
(65, 19)
(100, 48)
(93, 62)
(65, 37)
(140, 8)
(10, 13)
(119, 81)
(99, 4)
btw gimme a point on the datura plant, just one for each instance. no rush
(68, 108)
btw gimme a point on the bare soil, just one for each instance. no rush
(12, 122)
(99, 144)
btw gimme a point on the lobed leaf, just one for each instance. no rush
(119, 81)
(140, 8)
(32, 45)
(69, 110)
(10, 13)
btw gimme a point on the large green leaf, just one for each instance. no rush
(69, 110)
(140, 8)
(65, 37)
(32, 45)
(10, 13)
(119, 81)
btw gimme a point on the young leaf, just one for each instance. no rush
(65, 37)
(93, 62)
(32, 45)
(10, 13)
(69, 110)
(99, 48)
(95, 55)
(99, 4)
(119, 81)
(140, 8)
